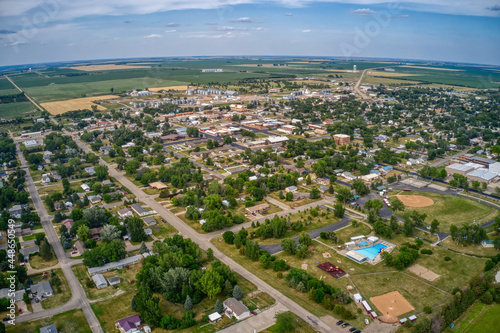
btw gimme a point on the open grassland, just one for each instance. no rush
(301, 326)
(19, 109)
(414, 291)
(73, 321)
(38, 262)
(60, 107)
(452, 210)
(479, 318)
(477, 250)
(108, 67)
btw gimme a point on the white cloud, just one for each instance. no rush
(288, 14)
(307, 30)
(172, 25)
(363, 12)
(153, 36)
(230, 28)
(170, 31)
(14, 43)
(228, 34)
(242, 20)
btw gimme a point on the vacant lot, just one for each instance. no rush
(60, 107)
(73, 321)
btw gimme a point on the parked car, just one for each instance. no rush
(340, 322)
(37, 300)
(345, 325)
(20, 310)
(358, 331)
(6, 319)
(253, 312)
(352, 329)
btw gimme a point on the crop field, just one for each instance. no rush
(474, 77)
(92, 68)
(60, 107)
(13, 110)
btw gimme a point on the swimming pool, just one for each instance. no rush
(362, 244)
(372, 251)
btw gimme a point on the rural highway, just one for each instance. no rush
(356, 86)
(204, 242)
(78, 298)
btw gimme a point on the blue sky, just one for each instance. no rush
(33, 31)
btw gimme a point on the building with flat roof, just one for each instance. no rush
(342, 139)
(115, 265)
(482, 176)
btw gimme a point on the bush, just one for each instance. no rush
(279, 275)
(425, 251)
(427, 309)
(447, 258)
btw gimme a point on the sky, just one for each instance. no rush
(36, 31)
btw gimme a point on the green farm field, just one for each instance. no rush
(478, 319)
(21, 109)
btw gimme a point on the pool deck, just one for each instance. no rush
(377, 259)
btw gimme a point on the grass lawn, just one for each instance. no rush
(163, 230)
(477, 250)
(346, 233)
(73, 321)
(417, 293)
(62, 293)
(38, 262)
(93, 293)
(301, 327)
(450, 209)
(30, 237)
(479, 318)
(176, 209)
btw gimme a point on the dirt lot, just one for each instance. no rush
(60, 107)
(423, 272)
(415, 200)
(391, 305)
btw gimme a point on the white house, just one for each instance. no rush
(85, 187)
(125, 212)
(141, 211)
(233, 307)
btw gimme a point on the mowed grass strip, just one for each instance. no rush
(479, 318)
(453, 210)
(73, 321)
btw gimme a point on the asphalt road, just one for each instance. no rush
(204, 242)
(78, 297)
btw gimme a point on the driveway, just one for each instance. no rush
(23, 307)
(256, 323)
(36, 306)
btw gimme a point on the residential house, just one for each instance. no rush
(42, 289)
(95, 233)
(90, 170)
(85, 187)
(158, 185)
(27, 251)
(235, 308)
(291, 189)
(78, 248)
(68, 223)
(129, 324)
(16, 211)
(150, 221)
(49, 329)
(114, 280)
(141, 211)
(100, 281)
(18, 294)
(94, 199)
(125, 212)
(115, 265)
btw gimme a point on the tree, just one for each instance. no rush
(101, 172)
(289, 196)
(45, 250)
(285, 322)
(289, 246)
(210, 283)
(83, 233)
(210, 254)
(360, 187)
(188, 304)
(192, 132)
(338, 210)
(144, 249)
(110, 232)
(95, 216)
(434, 226)
(344, 195)
(305, 240)
(315, 193)
(397, 205)
(218, 306)
(228, 237)
(237, 293)
(137, 233)
(374, 205)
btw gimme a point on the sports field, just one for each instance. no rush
(60, 107)
(450, 209)
(479, 318)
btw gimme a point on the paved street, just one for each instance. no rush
(258, 323)
(78, 298)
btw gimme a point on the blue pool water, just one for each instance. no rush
(362, 243)
(372, 251)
